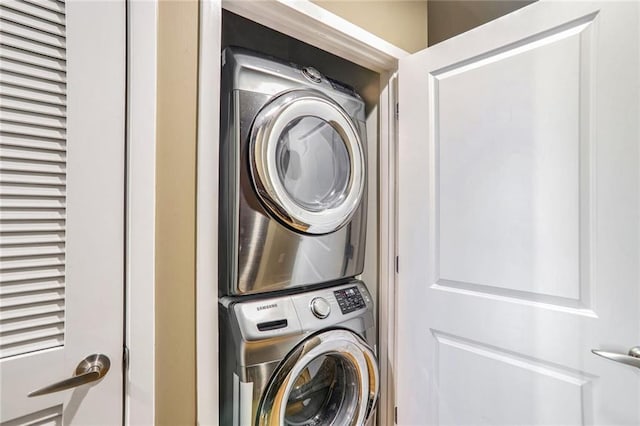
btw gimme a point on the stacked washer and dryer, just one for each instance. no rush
(296, 327)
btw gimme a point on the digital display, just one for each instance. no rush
(349, 299)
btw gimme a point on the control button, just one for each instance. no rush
(312, 74)
(349, 299)
(320, 307)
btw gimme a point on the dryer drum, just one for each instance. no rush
(331, 378)
(307, 160)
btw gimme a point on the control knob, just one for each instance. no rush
(312, 74)
(320, 307)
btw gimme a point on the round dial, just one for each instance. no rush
(312, 74)
(320, 307)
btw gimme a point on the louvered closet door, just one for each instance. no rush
(62, 104)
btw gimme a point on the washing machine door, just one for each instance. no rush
(330, 379)
(307, 161)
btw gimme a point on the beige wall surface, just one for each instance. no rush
(448, 18)
(400, 22)
(175, 213)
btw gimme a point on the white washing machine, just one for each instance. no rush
(292, 176)
(299, 360)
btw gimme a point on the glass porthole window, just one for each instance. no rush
(325, 391)
(331, 378)
(313, 163)
(307, 161)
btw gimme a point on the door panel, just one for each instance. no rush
(518, 221)
(62, 99)
(523, 161)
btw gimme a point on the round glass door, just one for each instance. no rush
(324, 391)
(313, 163)
(330, 379)
(307, 161)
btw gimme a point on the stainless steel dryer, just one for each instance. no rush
(298, 360)
(292, 176)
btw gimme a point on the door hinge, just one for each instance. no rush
(397, 264)
(125, 358)
(395, 415)
(397, 110)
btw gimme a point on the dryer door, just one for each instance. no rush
(307, 161)
(331, 378)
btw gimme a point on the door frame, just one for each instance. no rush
(314, 25)
(139, 374)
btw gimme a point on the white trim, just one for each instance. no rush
(141, 211)
(312, 24)
(318, 27)
(245, 403)
(207, 212)
(387, 242)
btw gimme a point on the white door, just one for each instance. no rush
(519, 221)
(62, 99)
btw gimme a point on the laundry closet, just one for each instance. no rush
(480, 252)
(298, 231)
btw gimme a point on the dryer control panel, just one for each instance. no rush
(349, 299)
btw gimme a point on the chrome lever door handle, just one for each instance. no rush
(632, 359)
(90, 369)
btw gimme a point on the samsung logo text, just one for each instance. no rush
(263, 307)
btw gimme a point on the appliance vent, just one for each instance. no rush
(32, 175)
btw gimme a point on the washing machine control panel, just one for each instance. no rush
(349, 299)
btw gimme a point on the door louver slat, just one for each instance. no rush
(21, 346)
(33, 321)
(31, 238)
(31, 22)
(9, 139)
(27, 82)
(18, 30)
(31, 95)
(39, 308)
(31, 58)
(33, 261)
(32, 177)
(33, 226)
(25, 250)
(30, 274)
(35, 286)
(31, 166)
(29, 334)
(55, 6)
(32, 131)
(16, 67)
(33, 46)
(23, 208)
(28, 106)
(32, 154)
(35, 11)
(32, 121)
(30, 192)
(31, 214)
